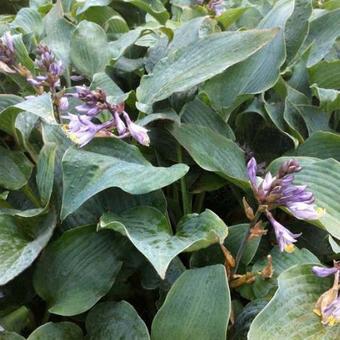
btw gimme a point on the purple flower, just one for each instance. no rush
(120, 126)
(139, 133)
(63, 104)
(284, 237)
(216, 6)
(82, 130)
(251, 169)
(7, 52)
(324, 271)
(279, 190)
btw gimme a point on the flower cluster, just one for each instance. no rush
(216, 6)
(50, 68)
(328, 304)
(83, 128)
(7, 53)
(274, 191)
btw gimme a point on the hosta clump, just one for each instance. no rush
(169, 170)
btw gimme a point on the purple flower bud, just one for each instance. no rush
(284, 237)
(251, 170)
(303, 211)
(289, 167)
(76, 77)
(120, 126)
(8, 41)
(63, 104)
(323, 271)
(217, 6)
(139, 133)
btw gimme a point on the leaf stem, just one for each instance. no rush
(245, 239)
(184, 191)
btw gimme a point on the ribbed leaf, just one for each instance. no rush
(150, 232)
(17, 249)
(323, 179)
(109, 163)
(115, 320)
(77, 270)
(289, 315)
(196, 307)
(58, 331)
(187, 67)
(212, 151)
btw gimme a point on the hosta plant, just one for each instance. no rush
(169, 169)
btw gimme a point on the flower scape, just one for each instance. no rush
(169, 170)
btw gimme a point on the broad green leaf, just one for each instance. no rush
(297, 27)
(289, 315)
(114, 93)
(86, 4)
(109, 163)
(40, 106)
(323, 32)
(21, 53)
(321, 144)
(45, 172)
(16, 321)
(265, 288)
(198, 113)
(58, 34)
(77, 270)
(196, 307)
(15, 169)
(115, 320)
(315, 118)
(150, 232)
(89, 48)
(18, 248)
(235, 236)
(212, 151)
(57, 331)
(187, 67)
(113, 200)
(334, 245)
(153, 7)
(260, 71)
(322, 178)
(5, 335)
(230, 15)
(329, 98)
(28, 20)
(325, 74)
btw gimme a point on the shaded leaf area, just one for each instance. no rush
(150, 232)
(265, 288)
(290, 312)
(109, 320)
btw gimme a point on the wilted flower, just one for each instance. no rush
(328, 304)
(7, 53)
